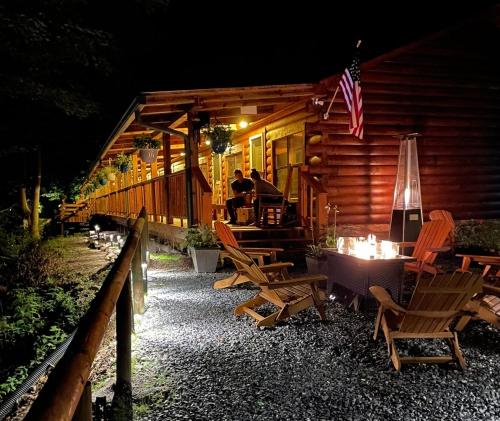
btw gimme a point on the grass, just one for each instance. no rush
(164, 257)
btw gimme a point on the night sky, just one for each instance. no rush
(70, 68)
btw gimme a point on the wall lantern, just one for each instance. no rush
(406, 217)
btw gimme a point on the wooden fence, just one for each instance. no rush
(67, 391)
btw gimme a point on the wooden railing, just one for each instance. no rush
(67, 390)
(164, 198)
(313, 201)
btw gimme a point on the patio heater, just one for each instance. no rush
(406, 217)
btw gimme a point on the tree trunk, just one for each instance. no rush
(25, 208)
(35, 225)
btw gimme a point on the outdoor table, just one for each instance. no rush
(358, 274)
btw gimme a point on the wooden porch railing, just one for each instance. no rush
(313, 200)
(67, 391)
(164, 198)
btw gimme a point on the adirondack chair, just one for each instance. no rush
(436, 302)
(289, 296)
(429, 243)
(227, 237)
(444, 215)
(486, 305)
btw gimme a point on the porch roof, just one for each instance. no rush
(168, 109)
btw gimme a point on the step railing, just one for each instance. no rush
(66, 394)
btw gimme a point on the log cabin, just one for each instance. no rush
(445, 87)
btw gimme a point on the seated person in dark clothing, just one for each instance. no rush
(263, 188)
(240, 187)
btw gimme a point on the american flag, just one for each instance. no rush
(351, 86)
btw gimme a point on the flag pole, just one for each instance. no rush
(327, 114)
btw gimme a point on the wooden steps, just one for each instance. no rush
(293, 240)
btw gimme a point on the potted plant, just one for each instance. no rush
(110, 172)
(317, 263)
(220, 137)
(123, 162)
(148, 148)
(202, 245)
(102, 178)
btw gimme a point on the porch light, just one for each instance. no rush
(406, 217)
(243, 124)
(207, 142)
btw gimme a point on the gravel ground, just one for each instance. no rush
(196, 361)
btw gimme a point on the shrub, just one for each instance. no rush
(200, 238)
(478, 234)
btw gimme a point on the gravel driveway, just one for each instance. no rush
(202, 363)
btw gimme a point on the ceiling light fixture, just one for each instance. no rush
(243, 124)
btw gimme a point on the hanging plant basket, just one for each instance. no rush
(220, 136)
(219, 146)
(123, 162)
(148, 155)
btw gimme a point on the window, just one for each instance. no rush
(288, 150)
(233, 162)
(257, 153)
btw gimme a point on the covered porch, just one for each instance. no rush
(188, 184)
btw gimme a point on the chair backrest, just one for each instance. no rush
(251, 269)
(432, 235)
(437, 300)
(442, 215)
(225, 234)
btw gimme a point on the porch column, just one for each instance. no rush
(167, 170)
(191, 160)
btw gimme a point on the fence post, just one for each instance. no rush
(137, 278)
(123, 335)
(144, 250)
(83, 411)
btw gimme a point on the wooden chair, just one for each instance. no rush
(436, 302)
(272, 207)
(486, 305)
(444, 215)
(227, 237)
(289, 296)
(430, 242)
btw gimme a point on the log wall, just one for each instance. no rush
(447, 89)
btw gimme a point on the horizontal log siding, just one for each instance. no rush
(449, 91)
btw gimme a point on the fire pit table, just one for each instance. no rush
(357, 273)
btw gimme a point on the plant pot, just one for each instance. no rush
(124, 168)
(148, 155)
(317, 266)
(204, 260)
(219, 146)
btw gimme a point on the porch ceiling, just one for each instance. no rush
(169, 109)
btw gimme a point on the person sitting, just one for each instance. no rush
(264, 191)
(241, 186)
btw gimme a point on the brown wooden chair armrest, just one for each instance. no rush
(297, 281)
(261, 249)
(385, 299)
(274, 267)
(439, 249)
(407, 244)
(490, 289)
(482, 259)
(253, 255)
